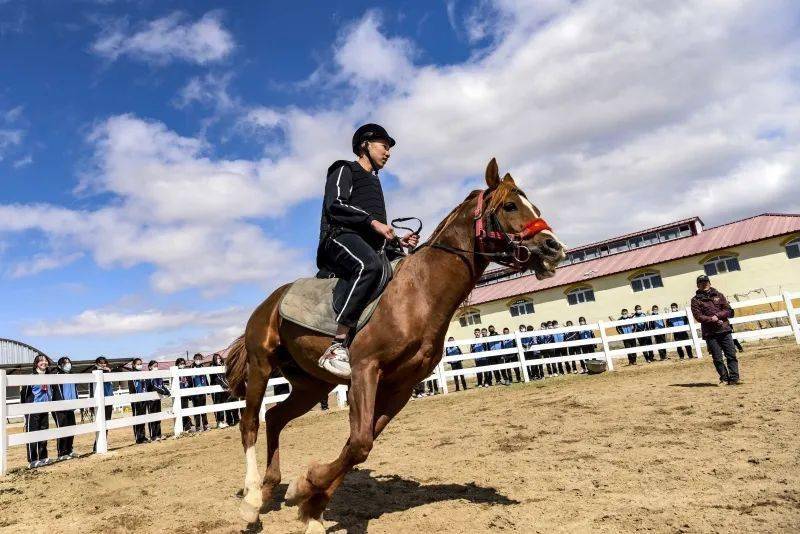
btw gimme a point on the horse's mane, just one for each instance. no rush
(450, 216)
(498, 197)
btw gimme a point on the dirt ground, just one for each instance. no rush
(656, 448)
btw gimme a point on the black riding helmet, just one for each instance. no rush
(369, 132)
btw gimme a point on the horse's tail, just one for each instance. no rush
(236, 367)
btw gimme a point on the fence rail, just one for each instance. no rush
(594, 343)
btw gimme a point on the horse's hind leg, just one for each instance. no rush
(306, 392)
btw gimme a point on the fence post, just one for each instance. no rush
(100, 412)
(175, 393)
(792, 317)
(693, 330)
(440, 374)
(522, 364)
(3, 419)
(606, 350)
(341, 396)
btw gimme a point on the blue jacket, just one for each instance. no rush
(37, 392)
(137, 386)
(495, 345)
(452, 351)
(477, 347)
(200, 380)
(557, 338)
(642, 325)
(625, 329)
(657, 323)
(677, 321)
(156, 384)
(586, 334)
(509, 343)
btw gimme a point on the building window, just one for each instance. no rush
(721, 264)
(618, 246)
(635, 242)
(793, 248)
(646, 281)
(470, 318)
(580, 296)
(668, 234)
(521, 307)
(685, 230)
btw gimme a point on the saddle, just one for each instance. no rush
(309, 301)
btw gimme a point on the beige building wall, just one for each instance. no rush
(765, 268)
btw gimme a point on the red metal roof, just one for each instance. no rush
(715, 238)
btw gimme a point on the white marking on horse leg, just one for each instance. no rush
(252, 487)
(315, 527)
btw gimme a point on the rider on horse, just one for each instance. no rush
(353, 236)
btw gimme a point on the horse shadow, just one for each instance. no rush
(695, 385)
(363, 497)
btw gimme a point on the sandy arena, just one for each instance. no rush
(655, 448)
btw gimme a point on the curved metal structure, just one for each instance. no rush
(16, 352)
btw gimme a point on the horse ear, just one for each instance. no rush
(492, 174)
(508, 178)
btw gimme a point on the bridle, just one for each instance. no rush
(492, 242)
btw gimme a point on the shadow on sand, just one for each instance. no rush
(695, 385)
(363, 497)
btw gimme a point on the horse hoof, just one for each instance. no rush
(315, 527)
(248, 512)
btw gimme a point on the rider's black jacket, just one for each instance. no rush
(353, 199)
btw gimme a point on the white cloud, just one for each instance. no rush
(42, 262)
(23, 162)
(110, 322)
(168, 39)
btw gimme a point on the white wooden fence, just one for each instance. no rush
(99, 401)
(524, 342)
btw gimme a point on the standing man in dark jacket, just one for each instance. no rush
(711, 309)
(353, 235)
(679, 336)
(135, 387)
(154, 406)
(627, 329)
(456, 366)
(657, 324)
(643, 326)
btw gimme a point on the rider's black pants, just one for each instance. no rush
(359, 268)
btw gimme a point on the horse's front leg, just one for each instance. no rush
(313, 491)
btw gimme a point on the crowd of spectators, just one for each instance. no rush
(37, 452)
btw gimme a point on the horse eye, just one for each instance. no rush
(510, 206)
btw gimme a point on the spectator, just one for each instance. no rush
(232, 416)
(433, 386)
(323, 404)
(511, 358)
(627, 329)
(219, 397)
(572, 335)
(657, 324)
(535, 372)
(479, 362)
(644, 341)
(711, 309)
(138, 407)
(544, 340)
(185, 382)
(679, 336)
(154, 406)
(199, 381)
(561, 351)
(64, 417)
(586, 349)
(37, 452)
(487, 375)
(499, 377)
(101, 364)
(456, 366)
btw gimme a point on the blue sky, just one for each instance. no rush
(161, 162)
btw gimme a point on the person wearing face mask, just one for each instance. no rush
(199, 381)
(220, 397)
(101, 364)
(154, 406)
(37, 452)
(627, 329)
(184, 382)
(679, 336)
(643, 326)
(659, 338)
(138, 407)
(586, 349)
(64, 417)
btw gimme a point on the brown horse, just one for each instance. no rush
(398, 348)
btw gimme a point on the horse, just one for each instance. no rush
(497, 224)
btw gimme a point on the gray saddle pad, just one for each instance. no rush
(309, 303)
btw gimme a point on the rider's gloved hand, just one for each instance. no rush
(383, 229)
